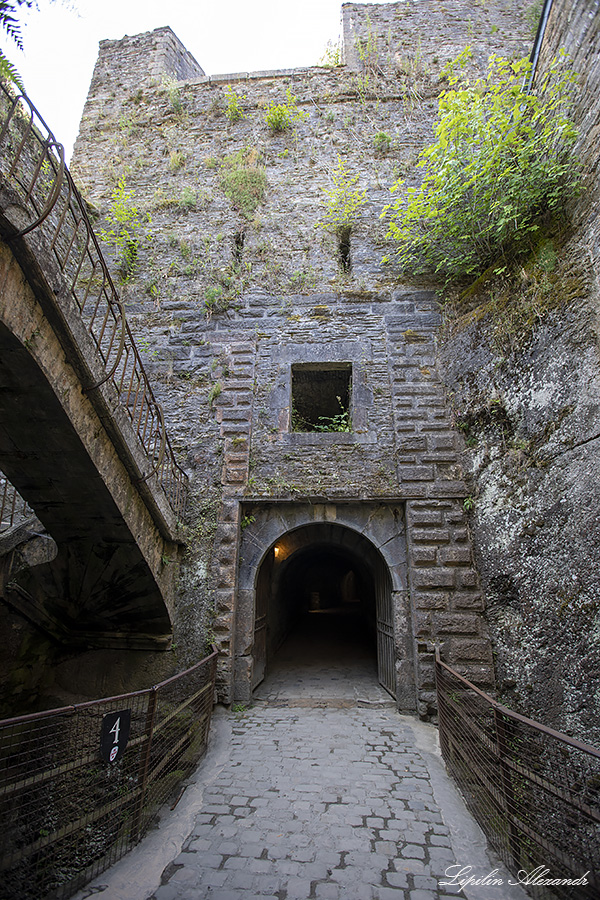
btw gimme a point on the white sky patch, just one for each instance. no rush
(61, 42)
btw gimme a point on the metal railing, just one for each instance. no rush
(535, 792)
(13, 509)
(32, 163)
(66, 811)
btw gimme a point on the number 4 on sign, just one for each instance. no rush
(115, 730)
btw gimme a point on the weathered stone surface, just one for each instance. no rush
(535, 481)
(226, 304)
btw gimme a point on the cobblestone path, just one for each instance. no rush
(320, 790)
(316, 803)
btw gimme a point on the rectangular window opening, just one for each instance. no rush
(321, 397)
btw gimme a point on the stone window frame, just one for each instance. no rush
(322, 368)
(361, 398)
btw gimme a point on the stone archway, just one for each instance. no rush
(333, 577)
(350, 558)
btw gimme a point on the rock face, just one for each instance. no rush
(240, 293)
(530, 409)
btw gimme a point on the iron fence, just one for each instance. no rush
(535, 792)
(80, 786)
(13, 509)
(32, 163)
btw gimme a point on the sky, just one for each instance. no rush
(61, 39)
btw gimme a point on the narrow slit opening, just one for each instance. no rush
(238, 246)
(344, 250)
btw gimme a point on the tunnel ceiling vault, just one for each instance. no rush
(327, 537)
(322, 567)
(318, 553)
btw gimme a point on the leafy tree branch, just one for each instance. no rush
(502, 166)
(11, 25)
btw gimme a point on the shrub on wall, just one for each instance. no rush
(244, 181)
(344, 200)
(234, 110)
(501, 167)
(126, 226)
(281, 116)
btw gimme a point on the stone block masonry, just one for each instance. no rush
(143, 59)
(233, 409)
(229, 301)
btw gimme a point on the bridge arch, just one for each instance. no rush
(106, 587)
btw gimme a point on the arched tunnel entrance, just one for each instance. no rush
(325, 591)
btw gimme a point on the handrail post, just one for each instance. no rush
(144, 765)
(444, 742)
(503, 731)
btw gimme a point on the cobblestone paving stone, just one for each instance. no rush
(316, 803)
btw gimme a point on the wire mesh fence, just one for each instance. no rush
(80, 786)
(535, 792)
(32, 163)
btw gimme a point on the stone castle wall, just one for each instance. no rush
(576, 29)
(224, 304)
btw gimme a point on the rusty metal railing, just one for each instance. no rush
(535, 792)
(67, 811)
(32, 163)
(13, 509)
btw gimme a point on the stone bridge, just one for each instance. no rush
(82, 438)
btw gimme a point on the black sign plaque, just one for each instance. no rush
(114, 735)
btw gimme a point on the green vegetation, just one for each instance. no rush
(344, 200)
(215, 300)
(340, 422)
(367, 49)
(228, 284)
(303, 281)
(368, 53)
(127, 126)
(281, 116)
(244, 181)
(127, 226)
(332, 55)
(172, 89)
(187, 198)
(234, 111)
(532, 16)
(515, 302)
(12, 27)
(382, 142)
(214, 392)
(176, 160)
(500, 172)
